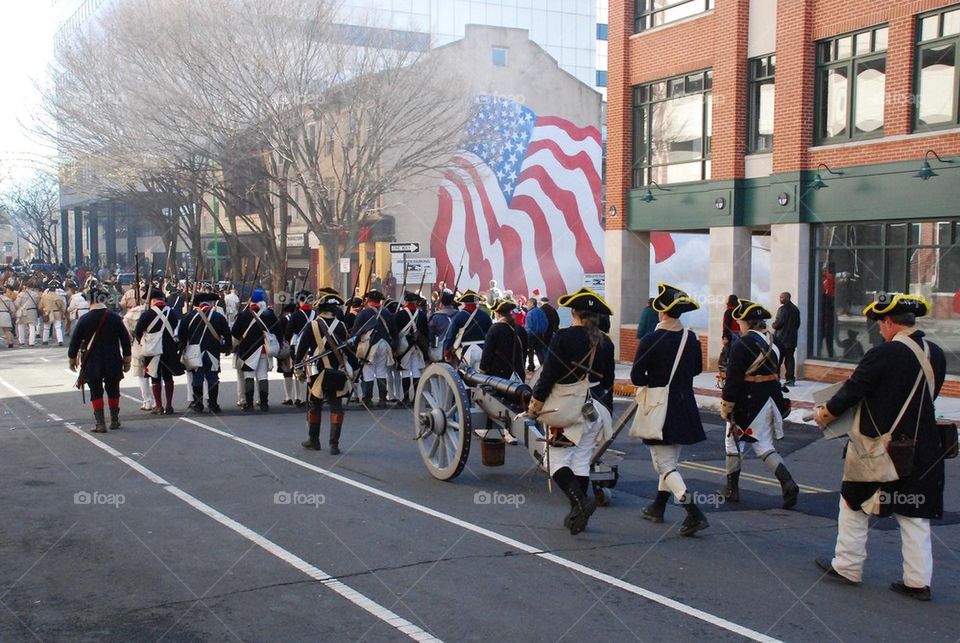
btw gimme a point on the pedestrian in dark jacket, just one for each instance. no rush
(505, 345)
(648, 320)
(786, 326)
(105, 343)
(895, 385)
(670, 356)
(207, 329)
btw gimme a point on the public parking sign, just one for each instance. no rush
(404, 248)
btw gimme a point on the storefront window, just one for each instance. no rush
(852, 262)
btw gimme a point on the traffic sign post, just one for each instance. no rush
(404, 248)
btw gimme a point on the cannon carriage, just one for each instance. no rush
(450, 404)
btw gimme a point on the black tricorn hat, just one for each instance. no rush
(204, 298)
(411, 296)
(470, 297)
(504, 306)
(887, 303)
(585, 299)
(670, 298)
(747, 310)
(392, 305)
(329, 300)
(304, 297)
(356, 302)
(327, 290)
(97, 295)
(374, 295)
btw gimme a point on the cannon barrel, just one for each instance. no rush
(517, 392)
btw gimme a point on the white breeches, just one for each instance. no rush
(853, 527)
(666, 459)
(58, 328)
(261, 371)
(471, 355)
(375, 368)
(412, 364)
(577, 458)
(27, 333)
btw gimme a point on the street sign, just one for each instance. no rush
(403, 248)
(595, 281)
(296, 240)
(415, 269)
(345, 265)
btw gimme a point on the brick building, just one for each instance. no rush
(811, 128)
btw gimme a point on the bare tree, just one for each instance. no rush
(32, 207)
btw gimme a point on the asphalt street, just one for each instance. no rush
(201, 527)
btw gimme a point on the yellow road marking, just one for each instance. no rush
(750, 476)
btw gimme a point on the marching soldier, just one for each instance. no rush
(28, 308)
(162, 366)
(231, 305)
(410, 327)
(505, 344)
(253, 325)
(285, 359)
(350, 317)
(53, 308)
(752, 403)
(175, 299)
(77, 306)
(329, 378)
(393, 369)
(137, 362)
(670, 356)
(206, 328)
(466, 332)
(895, 385)
(102, 345)
(578, 354)
(374, 330)
(299, 319)
(8, 312)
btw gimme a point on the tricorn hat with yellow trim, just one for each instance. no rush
(329, 300)
(470, 297)
(893, 303)
(504, 306)
(585, 299)
(670, 298)
(747, 310)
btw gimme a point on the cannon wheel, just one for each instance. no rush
(443, 421)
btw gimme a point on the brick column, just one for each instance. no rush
(796, 75)
(729, 129)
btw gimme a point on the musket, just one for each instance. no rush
(253, 284)
(353, 293)
(403, 288)
(243, 277)
(166, 265)
(457, 283)
(317, 358)
(366, 286)
(136, 284)
(423, 278)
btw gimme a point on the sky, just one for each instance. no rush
(26, 48)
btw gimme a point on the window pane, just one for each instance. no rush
(677, 130)
(678, 13)
(951, 23)
(897, 234)
(865, 235)
(708, 119)
(880, 39)
(675, 87)
(678, 173)
(869, 99)
(833, 110)
(937, 85)
(844, 47)
(764, 140)
(694, 83)
(928, 27)
(862, 43)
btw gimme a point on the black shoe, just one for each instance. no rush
(60, 344)
(168, 410)
(99, 428)
(586, 509)
(694, 522)
(918, 593)
(157, 410)
(247, 408)
(334, 449)
(286, 403)
(784, 389)
(214, 408)
(791, 382)
(313, 446)
(263, 406)
(654, 511)
(731, 493)
(826, 567)
(790, 489)
(299, 404)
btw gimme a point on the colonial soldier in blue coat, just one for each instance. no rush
(250, 331)
(467, 331)
(578, 353)
(373, 329)
(206, 328)
(413, 344)
(670, 356)
(105, 344)
(297, 321)
(505, 345)
(329, 378)
(753, 404)
(895, 385)
(162, 368)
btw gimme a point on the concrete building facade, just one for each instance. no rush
(812, 125)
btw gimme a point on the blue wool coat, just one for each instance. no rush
(651, 367)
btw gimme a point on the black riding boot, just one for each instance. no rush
(732, 491)
(382, 389)
(582, 507)
(405, 383)
(214, 393)
(655, 510)
(367, 388)
(198, 398)
(264, 395)
(336, 424)
(695, 520)
(100, 425)
(114, 418)
(248, 394)
(790, 489)
(314, 420)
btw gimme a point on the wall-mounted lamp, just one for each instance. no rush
(648, 196)
(925, 170)
(818, 181)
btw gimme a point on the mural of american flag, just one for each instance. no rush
(521, 204)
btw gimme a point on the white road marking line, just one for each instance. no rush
(44, 359)
(748, 476)
(379, 611)
(701, 615)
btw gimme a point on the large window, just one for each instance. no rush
(937, 77)
(855, 261)
(760, 106)
(851, 80)
(653, 13)
(671, 129)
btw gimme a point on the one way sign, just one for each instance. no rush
(404, 248)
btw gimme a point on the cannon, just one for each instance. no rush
(451, 403)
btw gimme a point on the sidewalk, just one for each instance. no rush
(801, 395)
